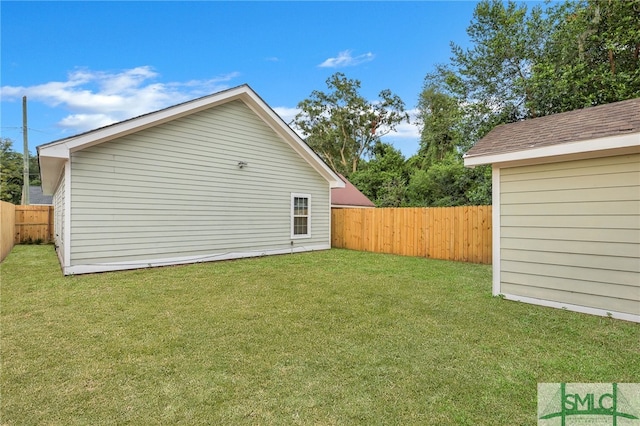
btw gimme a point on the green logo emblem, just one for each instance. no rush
(568, 404)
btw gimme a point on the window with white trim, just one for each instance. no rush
(300, 216)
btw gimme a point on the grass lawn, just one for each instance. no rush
(334, 337)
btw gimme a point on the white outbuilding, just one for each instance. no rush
(566, 209)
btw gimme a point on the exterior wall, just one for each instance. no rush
(59, 219)
(570, 233)
(174, 194)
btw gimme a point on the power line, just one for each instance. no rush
(41, 131)
(28, 128)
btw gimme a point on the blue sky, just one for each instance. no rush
(86, 64)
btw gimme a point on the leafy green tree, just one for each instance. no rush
(342, 126)
(34, 170)
(438, 176)
(478, 193)
(419, 188)
(522, 63)
(441, 119)
(493, 76)
(526, 63)
(383, 178)
(591, 58)
(442, 184)
(484, 85)
(448, 183)
(11, 168)
(10, 173)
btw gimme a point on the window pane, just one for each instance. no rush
(300, 206)
(301, 216)
(300, 225)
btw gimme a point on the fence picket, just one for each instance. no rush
(33, 223)
(451, 233)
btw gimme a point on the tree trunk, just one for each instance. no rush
(612, 62)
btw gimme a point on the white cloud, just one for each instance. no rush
(287, 113)
(406, 136)
(90, 121)
(345, 59)
(409, 130)
(98, 98)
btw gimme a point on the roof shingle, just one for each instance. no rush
(349, 196)
(37, 197)
(612, 119)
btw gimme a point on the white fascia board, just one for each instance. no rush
(126, 127)
(591, 148)
(50, 154)
(65, 147)
(55, 150)
(276, 123)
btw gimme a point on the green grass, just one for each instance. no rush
(334, 337)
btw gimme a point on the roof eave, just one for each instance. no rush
(611, 145)
(136, 124)
(50, 154)
(263, 110)
(351, 206)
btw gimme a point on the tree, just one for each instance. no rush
(342, 126)
(529, 63)
(438, 176)
(522, 63)
(383, 178)
(10, 173)
(591, 58)
(441, 119)
(448, 183)
(493, 76)
(11, 168)
(478, 192)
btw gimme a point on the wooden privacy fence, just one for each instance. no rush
(450, 233)
(34, 224)
(7, 228)
(24, 224)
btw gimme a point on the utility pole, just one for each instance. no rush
(25, 141)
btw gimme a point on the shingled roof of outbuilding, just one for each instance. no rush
(349, 196)
(601, 121)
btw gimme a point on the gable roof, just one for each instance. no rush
(349, 196)
(36, 197)
(52, 156)
(594, 129)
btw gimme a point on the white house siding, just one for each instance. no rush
(570, 232)
(175, 190)
(58, 212)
